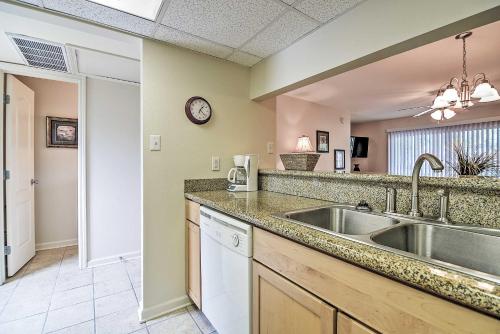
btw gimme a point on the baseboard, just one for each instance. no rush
(156, 311)
(56, 244)
(113, 259)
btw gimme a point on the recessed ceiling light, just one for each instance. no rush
(147, 9)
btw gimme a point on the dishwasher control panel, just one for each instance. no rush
(228, 231)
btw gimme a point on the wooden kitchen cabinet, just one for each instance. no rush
(193, 254)
(193, 263)
(279, 306)
(373, 300)
(347, 325)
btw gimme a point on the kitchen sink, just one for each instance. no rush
(468, 249)
(476, 251)
(341, 219)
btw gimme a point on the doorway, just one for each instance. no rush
(50, 191)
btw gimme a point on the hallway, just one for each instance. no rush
(51, 294)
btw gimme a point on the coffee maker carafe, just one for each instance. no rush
(243, 177)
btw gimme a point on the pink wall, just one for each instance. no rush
(376, 162)
(295, 117)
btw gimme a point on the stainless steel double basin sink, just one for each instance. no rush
(468, 249)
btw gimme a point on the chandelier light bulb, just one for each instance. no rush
(458, 105)
(448, 113)
(492, 97)
(440, 102)
(450, 94)
(482, 90)
(437, 115)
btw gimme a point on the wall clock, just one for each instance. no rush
(198, 110)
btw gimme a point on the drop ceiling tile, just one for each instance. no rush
(192, 42)
(286, 30)
(101, 14)
(38, 3)
(325, 10)
(228, 22)
(244, 58)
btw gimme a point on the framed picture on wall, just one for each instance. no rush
(62, 132)
(322, 141)
(339, 159)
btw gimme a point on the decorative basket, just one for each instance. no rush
(300, 161)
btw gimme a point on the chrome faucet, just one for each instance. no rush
(436, 164)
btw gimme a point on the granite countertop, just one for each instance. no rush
(258, 208)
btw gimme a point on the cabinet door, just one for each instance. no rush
(281, 307)
(194, 263)
(346, 325)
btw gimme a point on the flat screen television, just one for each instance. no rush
(359, 147)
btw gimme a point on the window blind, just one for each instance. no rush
(405, 146)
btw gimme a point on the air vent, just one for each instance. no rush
(40, 53)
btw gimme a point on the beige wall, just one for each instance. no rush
(371, 31)
(172, 75)
(376, 162)
(56, 195)
(296, 117)
(113, 170)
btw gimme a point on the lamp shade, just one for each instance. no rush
(482, 90)
(448, 113)
(450, 94)
(440, 102)
(437, 115)
(493, 97)
(304, 144)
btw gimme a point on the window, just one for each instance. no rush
(405, 146)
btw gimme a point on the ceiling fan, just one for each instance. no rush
(456, 94)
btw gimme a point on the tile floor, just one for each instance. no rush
(51, 294)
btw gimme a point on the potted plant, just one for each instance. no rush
(472, 163)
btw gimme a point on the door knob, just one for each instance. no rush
(34, 181)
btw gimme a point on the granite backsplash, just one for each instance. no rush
(474, 201)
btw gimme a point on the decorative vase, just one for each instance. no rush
(300, 161)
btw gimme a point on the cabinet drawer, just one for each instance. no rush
(192, 211)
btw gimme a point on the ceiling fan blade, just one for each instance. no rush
(411, 108)
(423, 112)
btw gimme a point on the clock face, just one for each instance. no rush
(198, 110)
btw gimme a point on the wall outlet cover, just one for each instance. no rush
(215, 163)
(270, 147)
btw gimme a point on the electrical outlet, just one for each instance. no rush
(154, 142)
(270, 147)
(215, 163)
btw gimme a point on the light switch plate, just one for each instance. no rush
(270, 147)
(215, 163)
(154, 142)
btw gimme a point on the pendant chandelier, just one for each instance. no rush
(456, 94)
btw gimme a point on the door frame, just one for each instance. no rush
(80, 80)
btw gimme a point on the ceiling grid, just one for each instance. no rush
(241, 31)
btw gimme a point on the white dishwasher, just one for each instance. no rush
(226, 272)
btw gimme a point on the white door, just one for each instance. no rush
(19, 162)
(3, 274)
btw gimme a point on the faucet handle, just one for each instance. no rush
(443, 205)
(390, 200)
